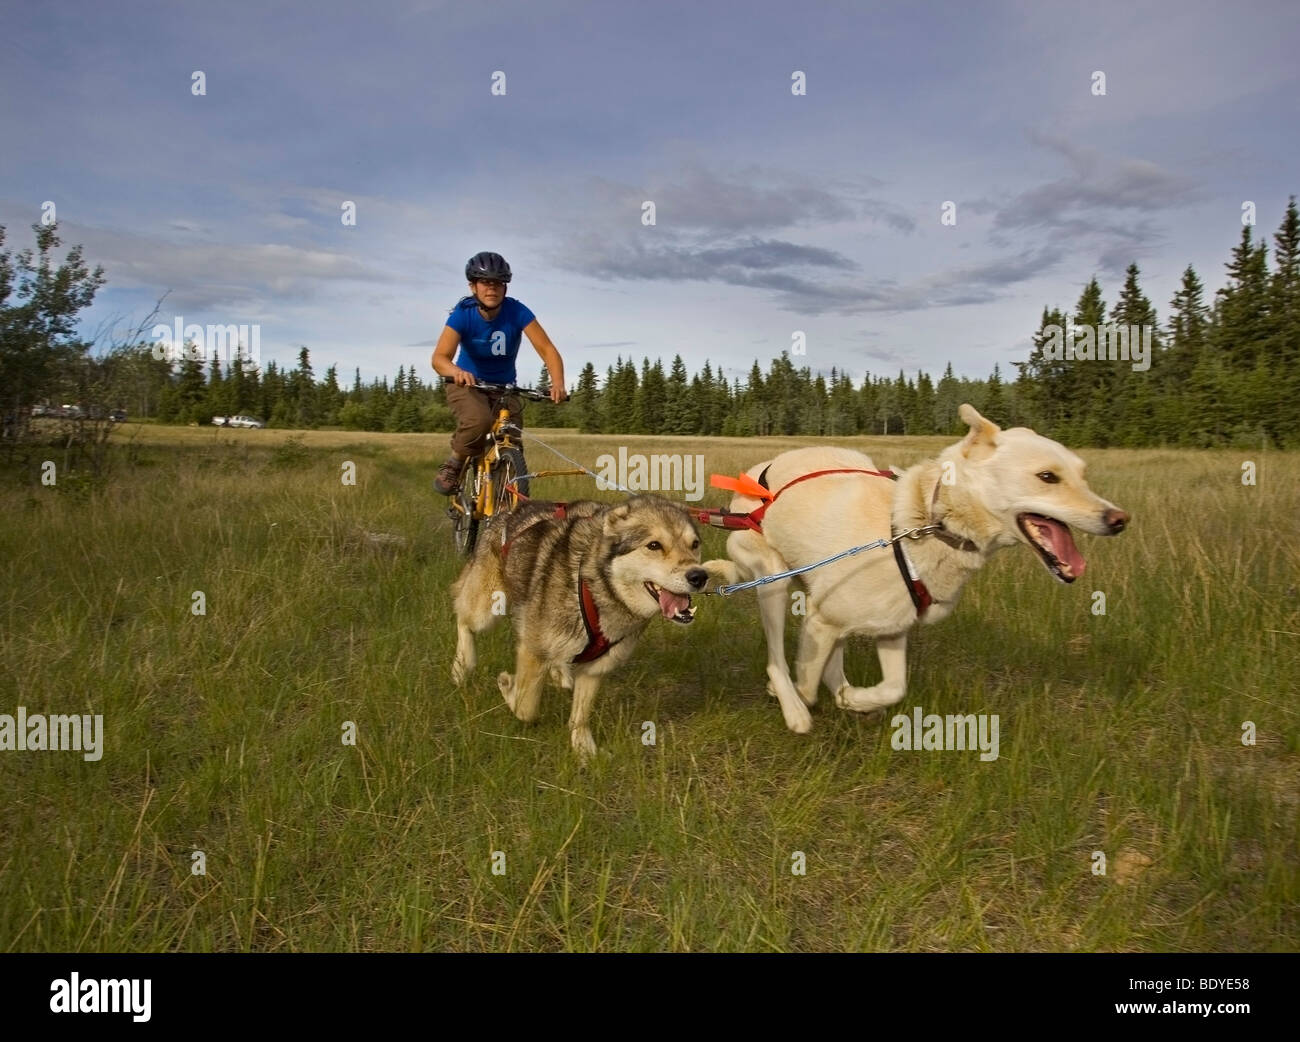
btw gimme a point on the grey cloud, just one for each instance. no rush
(739, 263)
(706, 227)
(878, 210)
(704, 233)
(775, 265)
(217, 274)
(703, 201)
(1096, 184)
(1101, 207)
(980, 206)
(975, 284)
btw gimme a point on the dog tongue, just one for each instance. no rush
(1062, 544)
(671, 603)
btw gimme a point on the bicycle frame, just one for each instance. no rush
(479, 496)
(498, 437)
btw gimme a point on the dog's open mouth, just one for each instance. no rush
(1055, 545)
(675, 606)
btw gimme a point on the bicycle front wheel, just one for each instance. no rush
(510, 468)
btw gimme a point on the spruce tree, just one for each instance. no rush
(710, 416)
(331, 398)
(609, 418)
(677, 407)
(241, 400)
(946, 403)
(584, 405)
(219, 401)
(1044, 385)
(1128, 418)
(1087, 406)
(922, 419)
(756, 417)
(301, 398)
(543, 414)
(1241, 315)
(1284, 333)
(1188, 330)
(191, 392)
(654, 399)
(994, 402)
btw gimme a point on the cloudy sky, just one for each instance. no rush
(774, 212)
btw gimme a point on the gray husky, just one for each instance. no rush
(580, 588)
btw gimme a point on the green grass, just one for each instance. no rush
(1119, 733)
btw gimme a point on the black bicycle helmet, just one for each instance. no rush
(487, 266)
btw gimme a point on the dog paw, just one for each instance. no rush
(797, 718)
(721, 570)
(866, 699)
(583, 743)
(799, 723)
(562, 678)
(506, 683)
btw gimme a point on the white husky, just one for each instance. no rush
(992, 489)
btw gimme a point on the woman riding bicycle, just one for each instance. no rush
(486, 326)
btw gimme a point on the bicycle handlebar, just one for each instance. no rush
(531, 393)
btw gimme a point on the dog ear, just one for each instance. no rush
(982, 438)
(615, 516)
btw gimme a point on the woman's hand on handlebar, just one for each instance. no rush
(559, 395)
(462, 378)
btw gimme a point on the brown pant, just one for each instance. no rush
(475, 412)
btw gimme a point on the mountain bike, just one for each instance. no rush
(494, 480)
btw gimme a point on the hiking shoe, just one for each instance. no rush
(448, 479)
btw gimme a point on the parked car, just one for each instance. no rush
(118, 416)
(74, 412)
(237, 421)
(44, 410)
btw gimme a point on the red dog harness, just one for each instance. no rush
(597, 643)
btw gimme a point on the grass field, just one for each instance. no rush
(1120, 733)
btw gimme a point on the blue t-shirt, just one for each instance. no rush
(488, 349)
